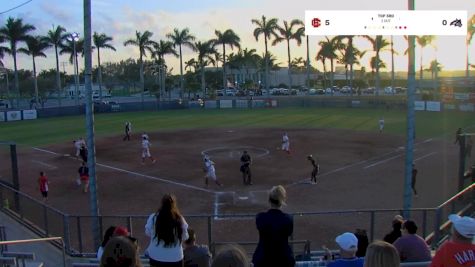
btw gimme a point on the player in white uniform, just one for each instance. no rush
(286, 143)
(381, 124)
(146, 150)
(210, 171)
(145, 136)
(78, 144)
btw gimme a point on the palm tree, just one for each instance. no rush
(287, 34)
(228, 37)
(328, 50)
(35, 48)
(101, 41)
(56, 37)
(434, 68)
(379, 44)
(181, 38)
(268, 28)
(161, 49)
(470, 34)
(14, 32)
(206, 52)
(350, 57)
(423, 41)
(307, 62)
(143, 42)
(3, 50)
(191, 64)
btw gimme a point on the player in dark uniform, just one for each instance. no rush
(413, 180)
(246, 168)
(83, 152)
(458, 135)
(316, 169)
(128, 130)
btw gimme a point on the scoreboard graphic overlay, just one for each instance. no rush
(386, 22)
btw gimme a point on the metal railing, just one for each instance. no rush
(28, 241)
(317, 227)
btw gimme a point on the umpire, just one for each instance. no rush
(246, 168)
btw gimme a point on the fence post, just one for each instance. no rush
(78, 223)
(424, 223)
(66, 233)
(129, 225)
(438, 215)
(45, 218)
(210, 239)
(371, 228)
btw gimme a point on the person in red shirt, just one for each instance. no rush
(84, 176)
(43, 182)
(459, 250)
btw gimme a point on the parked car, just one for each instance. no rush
(231, 92)
(345, 90)
(320, 91)
(219, 93)
(388, 90)
(312, 91)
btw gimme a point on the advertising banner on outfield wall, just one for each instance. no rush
(432, 106)
(13, 115)
(419, 105)
(30, 114)
(258, 103)
(2, 116)
(225, 104)
(211, 104)
(467, 107)
(242, 104)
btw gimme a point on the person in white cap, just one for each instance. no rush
(286, 143)
(459, 250)
(210, 171)
(348, 244)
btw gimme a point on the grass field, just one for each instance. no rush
(54, 130)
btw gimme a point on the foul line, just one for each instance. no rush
(425, 156)
(382, 161)
(139, 174)
(52, 167)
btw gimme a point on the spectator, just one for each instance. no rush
(348, 244)
(43, 184)
(167, 230)
(232, 256)
(194, 255)
(459, 250)
(112, 231)
(121, 251)
(363, 242)
(396, 232)
(274, 228)
(381, 254)
(410, 246)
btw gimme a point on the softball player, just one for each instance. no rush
(286, 143)
(146, 149)
(210, 171)
(381, 124)
(316, 169)
(128, 131)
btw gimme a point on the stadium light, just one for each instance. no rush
(74, 37)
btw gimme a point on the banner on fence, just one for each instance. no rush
(30, 114)
(211, 104)
(450, 106)
(419, 105)
(2, 116)
(467, 107)
(225, 103)
(258, 103)
(433, 106)
(242, 104)
(13, 115)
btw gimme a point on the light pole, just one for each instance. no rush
(74, 37)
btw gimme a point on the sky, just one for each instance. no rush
(120, 19)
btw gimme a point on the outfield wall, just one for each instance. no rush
(243, 103)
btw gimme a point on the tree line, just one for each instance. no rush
(16, 36)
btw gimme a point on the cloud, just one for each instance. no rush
(56, 13)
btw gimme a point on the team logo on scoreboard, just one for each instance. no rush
(456, 23)
(316, 22)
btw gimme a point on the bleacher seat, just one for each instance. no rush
(7, 261)
(24, 257)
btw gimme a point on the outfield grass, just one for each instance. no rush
(61, 129)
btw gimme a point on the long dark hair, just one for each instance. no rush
(168, 222)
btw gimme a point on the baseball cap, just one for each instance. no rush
(347, 241)
(121, 231)
(464, 225)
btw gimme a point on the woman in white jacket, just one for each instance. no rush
(167, 230)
